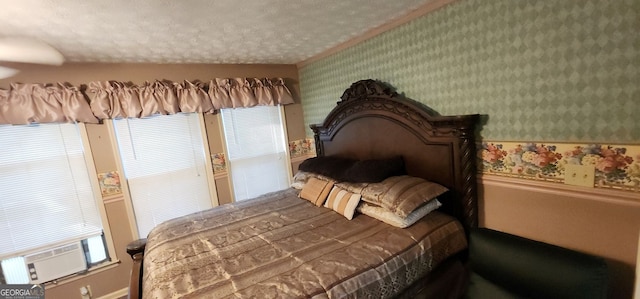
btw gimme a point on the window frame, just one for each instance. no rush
(282, 113)
(133, 224)
(112, 257)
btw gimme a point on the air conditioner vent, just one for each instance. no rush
(55, 263)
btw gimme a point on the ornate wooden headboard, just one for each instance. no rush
(372, 121)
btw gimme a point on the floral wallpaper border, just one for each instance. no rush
(109, 183)
(616, 166)
(302, 147)
(219, 162)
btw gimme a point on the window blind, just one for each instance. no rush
(46, 198)
(164, 164)
(256, 150)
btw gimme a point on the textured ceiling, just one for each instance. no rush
(196, 31)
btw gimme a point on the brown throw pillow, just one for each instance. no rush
(349, 170)
(330, 166)
(375, 170)
(316, 191)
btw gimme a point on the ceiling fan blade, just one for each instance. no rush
(6, 72)
(25, 50)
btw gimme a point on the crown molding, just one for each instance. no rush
(412, 15)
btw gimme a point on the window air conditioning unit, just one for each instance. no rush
(55, 263)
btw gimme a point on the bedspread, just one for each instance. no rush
(280, 246)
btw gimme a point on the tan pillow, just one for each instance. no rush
(343, 202)
(316, 191)
(401, 194)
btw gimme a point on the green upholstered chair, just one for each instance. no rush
(507, 266)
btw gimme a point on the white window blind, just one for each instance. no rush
(257, 150)
(165, 167)
(46, 198)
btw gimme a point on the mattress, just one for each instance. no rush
(281, 246)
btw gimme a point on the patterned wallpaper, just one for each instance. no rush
(552, 71)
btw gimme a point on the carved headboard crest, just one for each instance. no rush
(367, 88)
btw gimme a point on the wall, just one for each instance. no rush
(637, 284)
(115, 278)
(540, 70)
(560, 73)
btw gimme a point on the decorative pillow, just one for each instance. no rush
(390, 218)
(352, 187)
(330, 166)
(301, 178)
(316, 191)
(343, 202)
(373, 171)
(401, 194)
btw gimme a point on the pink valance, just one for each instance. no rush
(123, 100)
(39, 103)
(248, 92)
(28, 103)
(116, 99)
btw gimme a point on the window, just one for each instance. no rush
(256, 148)
(46, 199)
(165, 165)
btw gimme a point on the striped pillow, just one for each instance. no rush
(343, 202)
(316, 191)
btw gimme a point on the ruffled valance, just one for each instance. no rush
(39, 103)
(28, 103)
(124, 100)
(245, 92)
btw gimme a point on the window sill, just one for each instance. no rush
(73, 277)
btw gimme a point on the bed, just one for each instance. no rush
(283, 246)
